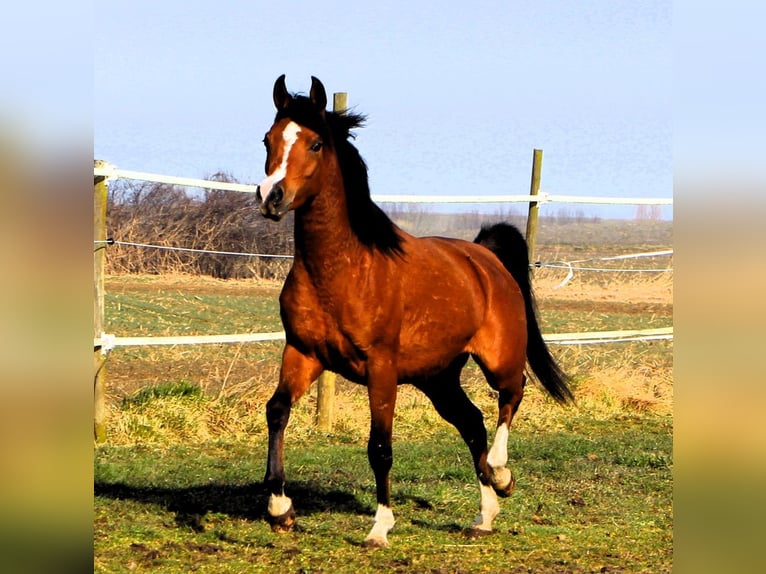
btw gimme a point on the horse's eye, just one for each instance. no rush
(266, 142)
(316, 146)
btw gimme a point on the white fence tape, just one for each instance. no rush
(110, 171)
(570, 265)
(541, 198)
(554, 265)
(610, 336)
(630, 256)
(190, 250)
(107, 342)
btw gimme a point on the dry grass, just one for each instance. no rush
(237, 412)
(604, 287)
(234, 381)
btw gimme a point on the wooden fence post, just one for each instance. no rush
(339, 102)
(99, 258)
(325, 401)
(326, 385)
(534, 189)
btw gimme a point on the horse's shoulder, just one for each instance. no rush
(297, 291)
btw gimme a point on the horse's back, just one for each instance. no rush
(468, 271)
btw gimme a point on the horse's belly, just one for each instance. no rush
(429, 349)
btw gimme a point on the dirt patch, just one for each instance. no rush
(628, 290)
(610, 307)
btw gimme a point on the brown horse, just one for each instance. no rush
(380, 307)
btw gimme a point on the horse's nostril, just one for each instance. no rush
(277, 193)
(258, 197)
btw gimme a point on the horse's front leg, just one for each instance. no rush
(381, 389)
(296, 374)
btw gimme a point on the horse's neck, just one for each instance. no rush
(324, 240)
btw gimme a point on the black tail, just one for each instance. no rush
(507, 242)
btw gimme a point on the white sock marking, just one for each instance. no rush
(289, 137)
(498, 455)
(384, 521)
(488, 509)
(279, 504)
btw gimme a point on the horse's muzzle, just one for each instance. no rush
(273, 206)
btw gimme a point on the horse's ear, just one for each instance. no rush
(318, 95)
(281, 95)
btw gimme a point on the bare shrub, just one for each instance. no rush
(216, 221)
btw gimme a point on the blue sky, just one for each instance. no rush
(458, 94)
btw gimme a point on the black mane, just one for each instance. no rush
(368, 221)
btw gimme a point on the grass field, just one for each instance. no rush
(177, 485)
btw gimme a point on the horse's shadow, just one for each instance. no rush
(248, 501)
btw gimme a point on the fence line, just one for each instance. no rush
(617, 257)
(552, 265)
(113, 172)
(593, 338)
(540, 198)
(108, 341)
(570, 267)
(103, 171)
(108, 171)
(190, 250)
(565, 265)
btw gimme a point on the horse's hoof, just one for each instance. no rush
(474, 532)
(284, 522)
(374, 543)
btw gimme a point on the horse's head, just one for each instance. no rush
(295, 149)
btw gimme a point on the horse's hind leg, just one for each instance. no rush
(510, 393)
(455, 407)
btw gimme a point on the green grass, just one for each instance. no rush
(177, 486)
(165, 311)
(174, 312)
(596, 497)
(187, 306)
(562, 320)
(147, 394)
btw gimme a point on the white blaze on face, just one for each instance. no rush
(289, 137)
